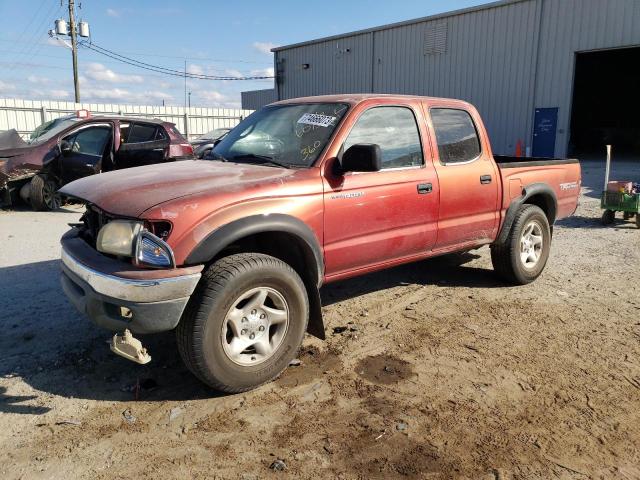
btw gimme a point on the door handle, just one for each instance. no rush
(424, 188)
(484, 179)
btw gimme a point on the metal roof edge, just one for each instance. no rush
(453, 13)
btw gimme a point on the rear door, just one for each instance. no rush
(376, 217)
(88, 147)
(141, 144)
(468, 177)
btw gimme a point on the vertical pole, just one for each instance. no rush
(606, 172)
(185, 83)
(74, 48)
(43, 114)
(186, 125)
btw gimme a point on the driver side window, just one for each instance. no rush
(395, 130)
(90, 141)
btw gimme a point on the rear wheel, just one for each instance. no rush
(244, 323)
(43, 193)
(522, 258)
(608, 217)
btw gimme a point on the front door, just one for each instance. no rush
(376, 217)
(468, 180)
(544, 132)
(84, 152)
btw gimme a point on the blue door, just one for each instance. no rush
(544, 132)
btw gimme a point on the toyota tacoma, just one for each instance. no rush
(231, 252)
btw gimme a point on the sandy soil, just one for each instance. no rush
(442, 372)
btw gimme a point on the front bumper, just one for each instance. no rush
(118, 296)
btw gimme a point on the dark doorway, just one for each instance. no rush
(606, 103)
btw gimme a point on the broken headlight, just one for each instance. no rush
(118, 237)
(152, 251)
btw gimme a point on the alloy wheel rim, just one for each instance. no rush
(255, 326)
(531, 244)
(51, 198)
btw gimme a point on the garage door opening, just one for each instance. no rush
(606, 104)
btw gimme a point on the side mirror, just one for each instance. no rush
(362, 157)
(65, 146)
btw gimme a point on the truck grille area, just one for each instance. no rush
(93, 220)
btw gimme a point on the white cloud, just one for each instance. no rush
(58, 94)
(264, 47)
(38, 80)
(6, 87)
(211, 96)
(57, 43)
(98, 72)
(113, 13)
(195, 69)
(263, 72)
(231, 72)
(121, 95)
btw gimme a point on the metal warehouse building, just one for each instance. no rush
(560, 76)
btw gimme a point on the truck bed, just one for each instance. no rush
(561, 175)
(508, 161)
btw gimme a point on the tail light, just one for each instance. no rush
(180, 150)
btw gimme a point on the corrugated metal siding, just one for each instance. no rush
(255, 99)
(335, 66)
(570, 26)
(507, 59)
(26, 115)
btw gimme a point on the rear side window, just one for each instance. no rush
(456, 135)
(141, 132)
(395, 130)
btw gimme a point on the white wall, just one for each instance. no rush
(26, 115)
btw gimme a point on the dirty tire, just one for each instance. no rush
(608, 217)
(43, 195)
(199, 333)
(506, 258)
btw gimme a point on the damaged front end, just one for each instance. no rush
(16, 166)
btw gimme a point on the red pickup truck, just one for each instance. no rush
(231, 252)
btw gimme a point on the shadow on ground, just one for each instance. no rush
(56, 350)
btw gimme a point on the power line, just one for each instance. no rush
(164, 70)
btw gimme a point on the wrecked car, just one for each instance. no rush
(75, 146)
(231, 252)
(203, 144)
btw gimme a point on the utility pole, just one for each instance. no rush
(74, 48)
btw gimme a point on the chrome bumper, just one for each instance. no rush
(157, 290)
(117, 303)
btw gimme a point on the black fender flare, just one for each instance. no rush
(244, 227)
(542, 189)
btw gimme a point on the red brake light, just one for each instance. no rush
(83, 113)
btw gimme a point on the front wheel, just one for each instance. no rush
(521, 259)
(43, 193)
(244, 323)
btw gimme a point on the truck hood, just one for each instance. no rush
(130, 192)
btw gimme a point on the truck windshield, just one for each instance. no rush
(284, 135)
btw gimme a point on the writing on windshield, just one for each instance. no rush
(292, 135)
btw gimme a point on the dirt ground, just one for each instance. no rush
(435, 370)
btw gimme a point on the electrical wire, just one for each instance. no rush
(163, 70)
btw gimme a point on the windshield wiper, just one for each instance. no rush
(264, 159)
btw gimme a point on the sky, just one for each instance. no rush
(212, 37)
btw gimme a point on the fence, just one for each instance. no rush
(26, 115)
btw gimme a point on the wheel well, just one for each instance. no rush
(545, 203)
(282, 245)
(294, 251)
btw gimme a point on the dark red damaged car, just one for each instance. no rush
(75, 146)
